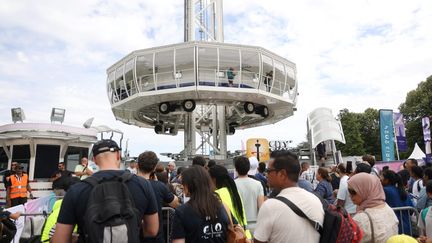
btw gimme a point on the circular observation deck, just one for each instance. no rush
(156, 86)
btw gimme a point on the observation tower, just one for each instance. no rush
(202, 86)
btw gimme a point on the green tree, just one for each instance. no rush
(417, 105)
(352, 130)
(370, 132)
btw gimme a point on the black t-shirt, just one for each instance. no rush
(6, 175)
(75, 201)
(335, 181)
(194, 228)
(62, 173)
(163, 196)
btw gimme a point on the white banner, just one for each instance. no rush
(40, 205)
(19, 222)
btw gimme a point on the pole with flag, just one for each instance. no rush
(387, 137)
(427, 138)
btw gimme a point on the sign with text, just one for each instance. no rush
(387, 135)
(279, 145)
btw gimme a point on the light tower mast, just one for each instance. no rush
(204, 17)
(204, 22)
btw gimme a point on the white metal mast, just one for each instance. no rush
(204, 22)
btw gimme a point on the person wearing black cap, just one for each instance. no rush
(106, 154)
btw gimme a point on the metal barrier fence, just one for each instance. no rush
(408, 214)
(31, 229)
(167, 215)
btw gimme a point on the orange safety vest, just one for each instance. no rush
(19, 187)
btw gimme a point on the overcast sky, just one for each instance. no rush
(349, 54)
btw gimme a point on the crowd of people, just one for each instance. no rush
(211, 202)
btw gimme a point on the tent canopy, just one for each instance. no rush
(417, 153)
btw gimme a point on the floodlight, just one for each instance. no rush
(17, 115)
(57, 114)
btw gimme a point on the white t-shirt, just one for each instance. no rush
(278, 223)
(80, 168)
(418, 184)
(384, 220)
(426, 224)
(132, 170)
(250, 190)
(342, 194)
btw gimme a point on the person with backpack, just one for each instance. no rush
(112, 205)
(417, 174)
(277, 222)
(377, 220)
(324, 187)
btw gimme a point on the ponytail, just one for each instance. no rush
(223, 179)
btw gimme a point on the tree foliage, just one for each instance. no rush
(417, 105)
(362, 132)
(352, 129)
(370, 132)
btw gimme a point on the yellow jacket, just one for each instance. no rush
(225, 196)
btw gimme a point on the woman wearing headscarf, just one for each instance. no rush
(374, 216)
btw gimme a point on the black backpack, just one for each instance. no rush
(111, 215)
(338, 226)
(7, 230)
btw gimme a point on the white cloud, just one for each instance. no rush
(349, 54)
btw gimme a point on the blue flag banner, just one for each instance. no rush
(387, 135)
(400, 132)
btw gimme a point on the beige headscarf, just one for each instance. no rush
(369, 188)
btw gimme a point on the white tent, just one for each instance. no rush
(417, 153)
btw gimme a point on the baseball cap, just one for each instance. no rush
(105, 145)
